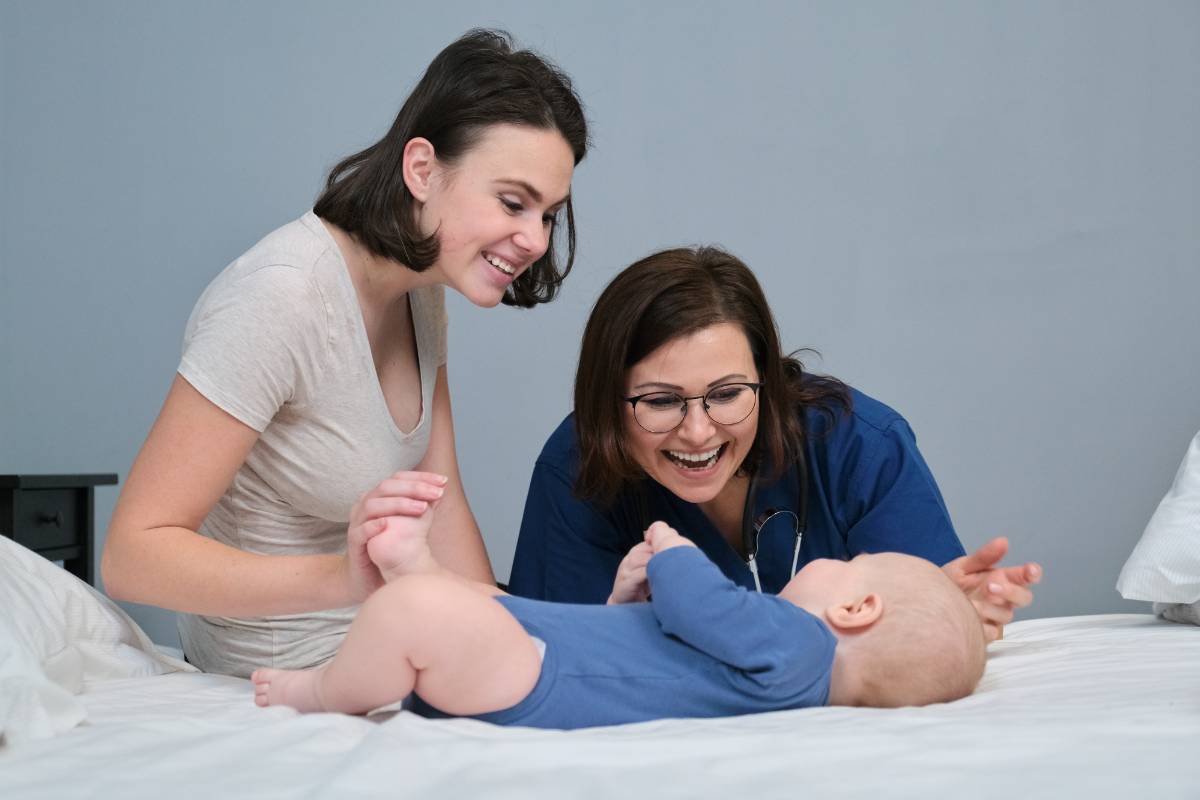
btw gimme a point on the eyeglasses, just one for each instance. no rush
(662, 412)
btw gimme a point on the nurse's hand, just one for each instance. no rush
(403, 494)
(630, 585)
(996, 592)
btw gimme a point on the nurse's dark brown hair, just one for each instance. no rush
(663, 297)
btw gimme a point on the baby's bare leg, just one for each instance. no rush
(455, 646)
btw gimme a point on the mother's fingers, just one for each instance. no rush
(376, 507)
(404, 487)
(435, 478)
(417, 494)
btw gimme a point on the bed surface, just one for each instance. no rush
(1099, 706)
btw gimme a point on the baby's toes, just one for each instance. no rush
(262, 686)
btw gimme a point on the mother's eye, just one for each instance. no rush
(512, 206)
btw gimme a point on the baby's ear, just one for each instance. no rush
(857, 614)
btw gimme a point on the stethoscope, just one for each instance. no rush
(752, 526)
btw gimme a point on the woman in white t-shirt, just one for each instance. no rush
(313, 370)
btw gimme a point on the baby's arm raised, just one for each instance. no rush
(695, 602)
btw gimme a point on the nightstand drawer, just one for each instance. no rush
(44, 518)
(52, 516)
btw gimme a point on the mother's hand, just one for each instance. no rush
(404, 494)
(996, 592)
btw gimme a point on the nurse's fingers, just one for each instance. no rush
(1024, 574)
(985, 557)
(1005, 593)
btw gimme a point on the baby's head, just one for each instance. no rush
(906, 634)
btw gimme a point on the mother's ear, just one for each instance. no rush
(418, 165)
(857, 614)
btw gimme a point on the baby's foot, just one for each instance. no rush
(403, 547)
(298, 688)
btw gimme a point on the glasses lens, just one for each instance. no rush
(730, 404)
(659, 412)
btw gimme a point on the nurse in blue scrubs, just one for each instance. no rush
(687, 411)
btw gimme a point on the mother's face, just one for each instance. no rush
(495, 208)
(695, 460)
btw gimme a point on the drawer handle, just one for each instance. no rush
(55, 519)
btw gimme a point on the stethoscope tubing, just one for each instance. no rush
(751, 528)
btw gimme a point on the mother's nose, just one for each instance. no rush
(533, 238)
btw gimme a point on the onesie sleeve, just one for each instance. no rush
(256, 342)
(759, 634)
(567, 551)
(892, 502)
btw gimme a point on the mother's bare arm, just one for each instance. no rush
(154, 555)
(454, 539)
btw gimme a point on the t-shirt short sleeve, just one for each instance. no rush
(254, 341)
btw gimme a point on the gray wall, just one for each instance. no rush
(985, 214)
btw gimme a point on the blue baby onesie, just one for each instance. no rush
(702, 647)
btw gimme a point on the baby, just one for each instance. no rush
(880, 630)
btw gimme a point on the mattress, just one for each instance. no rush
(1090, 706)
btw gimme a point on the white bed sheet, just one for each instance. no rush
(1096, 707)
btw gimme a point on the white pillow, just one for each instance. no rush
(59, 633)
(31, 705)
(1165, 565)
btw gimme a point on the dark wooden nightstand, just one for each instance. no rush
(54, 516)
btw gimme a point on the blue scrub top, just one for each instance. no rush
(869, 491)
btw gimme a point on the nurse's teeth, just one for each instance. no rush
(694, 456)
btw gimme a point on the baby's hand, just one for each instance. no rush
(661, 536)
(630, 585)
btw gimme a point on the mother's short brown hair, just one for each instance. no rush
(477, 81)
(665, 296)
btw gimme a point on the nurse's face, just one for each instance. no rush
(696, 459)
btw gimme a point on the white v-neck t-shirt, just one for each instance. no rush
(278, 341)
